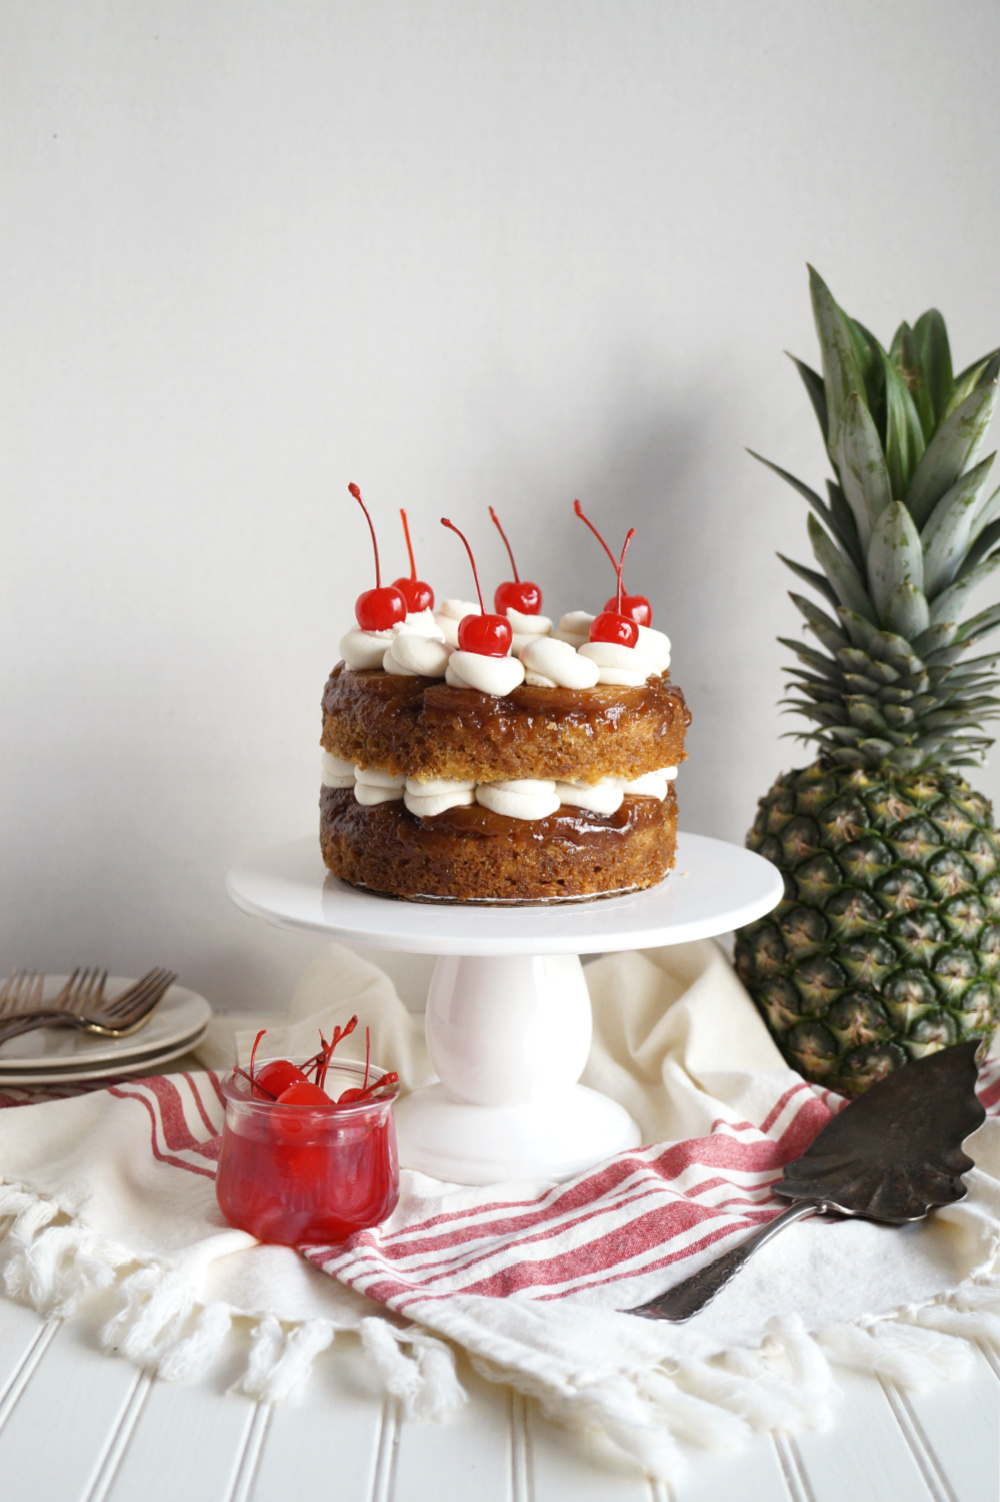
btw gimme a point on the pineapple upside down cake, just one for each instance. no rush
(488, 756)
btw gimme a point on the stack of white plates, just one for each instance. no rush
(50, 1055)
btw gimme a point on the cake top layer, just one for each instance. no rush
(468, 646)
(417, 727)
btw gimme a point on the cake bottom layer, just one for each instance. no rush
(473, 854)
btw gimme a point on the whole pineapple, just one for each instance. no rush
(887, 943)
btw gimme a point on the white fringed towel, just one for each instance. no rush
(116, 1188)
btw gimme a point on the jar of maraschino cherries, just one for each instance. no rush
(308, 1149)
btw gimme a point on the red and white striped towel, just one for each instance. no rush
(529, 1278)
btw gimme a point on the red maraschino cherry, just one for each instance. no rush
(377, 609)
(489, 635)
(271, 1079)
(517, 593)
(303, 1093)
(637, 607)
(417, 594)
(612, 625)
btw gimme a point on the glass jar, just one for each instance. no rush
(296, 1174)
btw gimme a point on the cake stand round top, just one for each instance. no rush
(714, 887)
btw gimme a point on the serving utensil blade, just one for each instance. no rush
(890, 1156)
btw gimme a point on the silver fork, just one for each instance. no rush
(81, 1004)
(22, 989)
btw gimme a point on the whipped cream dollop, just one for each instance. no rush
(550, 663)
(372, 786)
(422, 622)
(364, 649)
(490, 675)
(449, 616)
(574, 627)
(625, 666)
(656, 646)
(652, 784)
(437, 795)
(334, 772)
(415, 654)
(520, 798)
(526, 628)
(603, 797)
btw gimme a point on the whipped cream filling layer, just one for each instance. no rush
(434, 795)
(334, 772)
(372, 787)
(520, 798)
(437, 795)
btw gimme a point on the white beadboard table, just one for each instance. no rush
(79, 1426)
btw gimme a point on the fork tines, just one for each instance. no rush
(143, 994)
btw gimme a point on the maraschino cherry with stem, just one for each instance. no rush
(489, 635)
(380, 608)
(418, 595)
(637, 607)
(613, 625)
(517, 593)
(288, 1084)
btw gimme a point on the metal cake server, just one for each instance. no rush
(891, 1155)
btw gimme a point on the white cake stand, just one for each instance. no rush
(508, 1012)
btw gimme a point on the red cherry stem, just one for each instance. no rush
(356, 493)
(621, 564)
(326, 1053)
(368, 1057)
(510, 551)
(254, 1084)
(446, 523)
(616, 566)
(253, 1051)
(579, 511)
(369, 1092)
(409, 545)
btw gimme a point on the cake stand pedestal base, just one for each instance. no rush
(550, 1139)
(509, 1036)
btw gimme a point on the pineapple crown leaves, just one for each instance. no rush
(906, 533)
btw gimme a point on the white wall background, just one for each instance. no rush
(463, 252)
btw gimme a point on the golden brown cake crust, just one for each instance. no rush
(472, 853)
(421, 727)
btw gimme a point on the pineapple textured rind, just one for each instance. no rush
(886, 945)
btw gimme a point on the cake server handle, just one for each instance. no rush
(685, 1299)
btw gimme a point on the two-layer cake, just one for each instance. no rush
(543, 772)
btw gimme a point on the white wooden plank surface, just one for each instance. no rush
(79, 1426)
(470, 1456)
(957, 1425)
(59, 1429)
(865, 1456)
(184, 1442)
(564, 1464)
(337, 1442)
(753, 1474)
